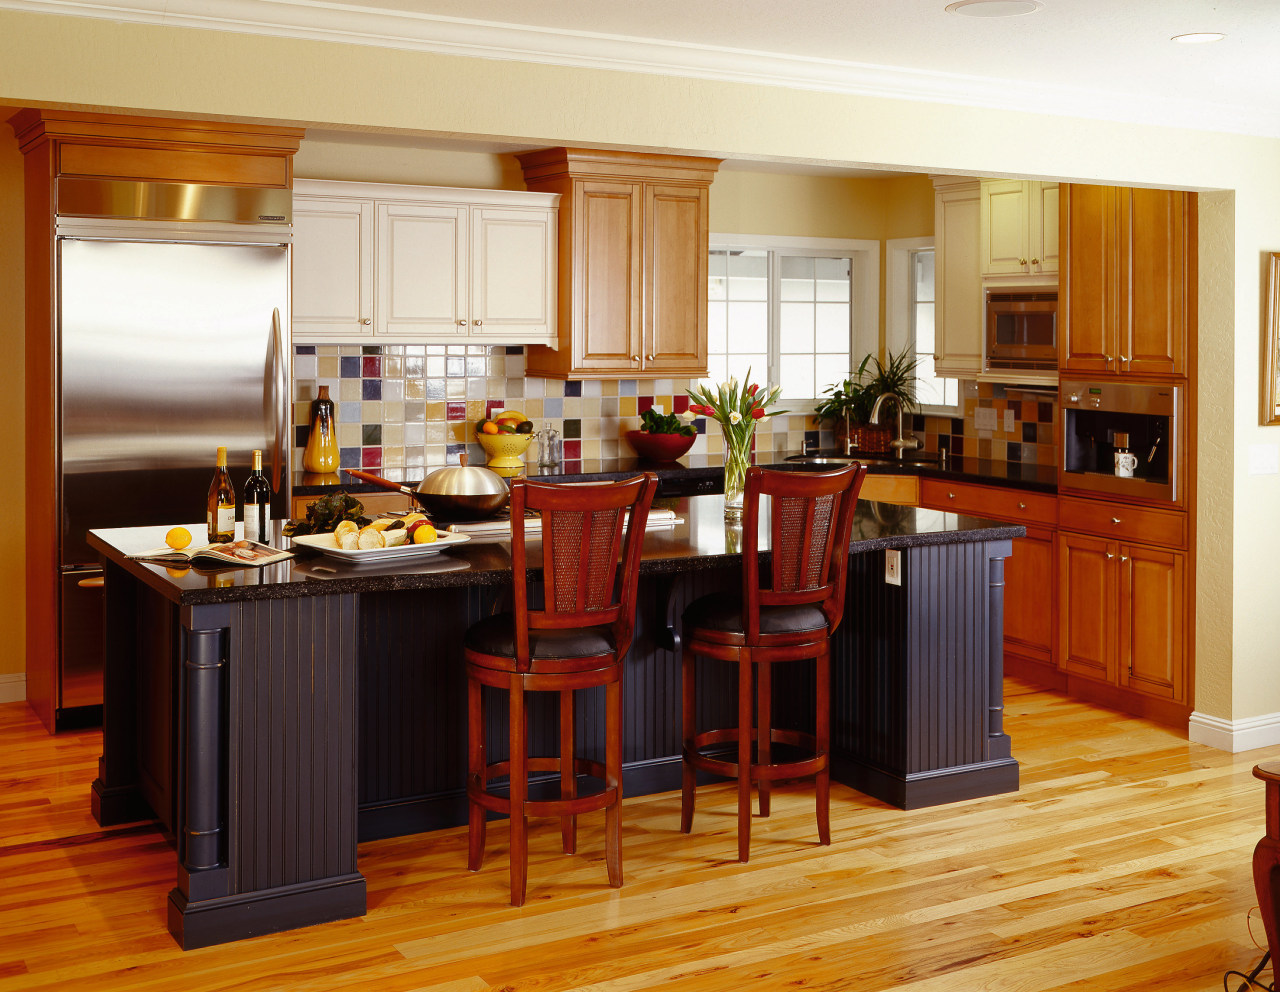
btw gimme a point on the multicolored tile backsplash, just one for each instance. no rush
(412, 407)
(407, 409)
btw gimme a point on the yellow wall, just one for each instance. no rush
(82, 61)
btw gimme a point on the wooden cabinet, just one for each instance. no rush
(633, 263)
(1019, 230)
(1126, 614)
(1124, 610)
(1030, 575)
(1128, 283)
(423, 264)
(958, 349)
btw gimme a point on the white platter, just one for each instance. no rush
(327, 544)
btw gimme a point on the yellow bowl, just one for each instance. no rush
(504, 450)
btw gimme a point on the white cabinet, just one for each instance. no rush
(957, 279)
(423, 264)
(1019, 229)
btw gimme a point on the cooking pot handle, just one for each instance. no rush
(377, 480)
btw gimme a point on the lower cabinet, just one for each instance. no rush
(1030, 575)
(1124, 615)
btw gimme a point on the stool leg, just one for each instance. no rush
(519, 793)
(764, 727)
(822, 731)
(568, 779)
(744, 756)
(688, 708)
(613, 780)
(476, 774)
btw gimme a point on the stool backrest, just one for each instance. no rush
(585, 530)
(811, 521)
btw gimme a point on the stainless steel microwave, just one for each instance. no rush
(1022, 329)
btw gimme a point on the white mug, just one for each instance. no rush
(1126, 462)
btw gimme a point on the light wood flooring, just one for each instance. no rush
(1122, 864)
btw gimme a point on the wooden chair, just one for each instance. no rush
(789, 619)
(578, 640)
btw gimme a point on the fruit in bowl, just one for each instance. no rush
(505, 438)
(662, 437)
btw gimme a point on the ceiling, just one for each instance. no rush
(1109, 59)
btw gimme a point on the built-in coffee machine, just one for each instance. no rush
(1121, 439)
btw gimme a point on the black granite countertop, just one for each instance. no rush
(701, 540)
(983, 471)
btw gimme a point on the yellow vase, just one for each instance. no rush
(321, 453)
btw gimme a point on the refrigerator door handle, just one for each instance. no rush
(279, 402)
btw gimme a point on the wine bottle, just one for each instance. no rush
(257, 504)
(222, 504)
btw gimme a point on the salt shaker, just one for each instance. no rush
(550, 447)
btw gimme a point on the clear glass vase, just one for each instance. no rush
(737, 456)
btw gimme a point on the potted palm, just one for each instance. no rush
(850, 402)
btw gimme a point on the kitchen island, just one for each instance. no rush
(272, 718)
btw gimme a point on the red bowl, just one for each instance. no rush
(660, 447)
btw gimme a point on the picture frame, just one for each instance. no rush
(1271, 345)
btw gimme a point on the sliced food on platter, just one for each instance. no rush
(332, 546)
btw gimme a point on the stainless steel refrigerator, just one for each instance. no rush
(173, 340)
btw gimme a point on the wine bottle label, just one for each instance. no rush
(226, 519)
(257, 523)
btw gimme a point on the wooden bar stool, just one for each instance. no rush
(790, 619)
(576, 641)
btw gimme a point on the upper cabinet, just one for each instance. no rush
(423, 264)
(1019, 225)
(957, 277)
(1128, 286)
(633, 263)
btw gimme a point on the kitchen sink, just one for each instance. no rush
(831, 460)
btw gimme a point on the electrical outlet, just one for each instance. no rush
(1008, 422)
(893, 567)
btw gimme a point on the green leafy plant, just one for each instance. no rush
(858, 393)
(654, 421)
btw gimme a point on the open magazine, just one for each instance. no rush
(237, 554)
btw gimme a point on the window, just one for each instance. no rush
(910, 320)
(793, 311)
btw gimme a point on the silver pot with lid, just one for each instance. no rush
(456, 492)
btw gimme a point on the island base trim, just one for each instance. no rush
(222, 920)
(919, 790)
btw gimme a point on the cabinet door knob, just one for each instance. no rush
(951, 495)
(648, 358)
(477, 322)
(1124, 557)
(1115, 520)
(366, 320)
(1022, 506)
(1035, 261)
(1022, 261)
(1108, 358)
(635, 358)
(462, 323)
(1109, 556)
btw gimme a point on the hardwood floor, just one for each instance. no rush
(1122, 864)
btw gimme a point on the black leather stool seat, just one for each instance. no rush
(722, 611)
(496, 635)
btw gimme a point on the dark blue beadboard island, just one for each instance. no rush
(272, 718)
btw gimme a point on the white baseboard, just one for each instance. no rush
(13, 688)
(1235, 735)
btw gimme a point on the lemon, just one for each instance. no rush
(178, 538)
(425, 534)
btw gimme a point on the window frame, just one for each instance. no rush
(897, 318)
(864, 312)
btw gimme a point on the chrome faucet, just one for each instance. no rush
(899, 443)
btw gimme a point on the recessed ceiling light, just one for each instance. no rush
(1198, 37)
(994, 8)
